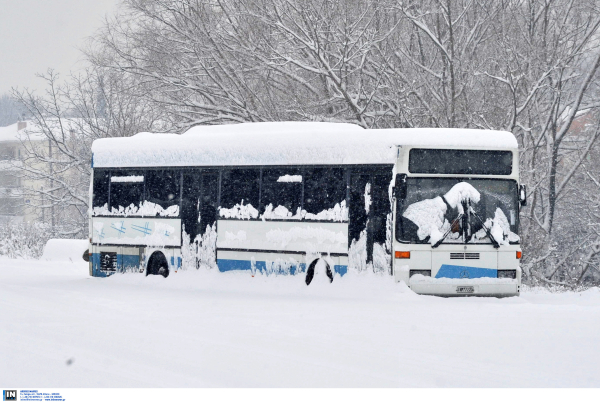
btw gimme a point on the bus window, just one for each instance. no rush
(199, 203)
(360, 191)
(240, 193)
(460, 161)
(281, 195)
(126, 188)
(162, 187)
(100, 189)
(381, 206)
(324, 188)
(208, 200)
(190, 203)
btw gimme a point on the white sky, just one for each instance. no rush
(39, 34)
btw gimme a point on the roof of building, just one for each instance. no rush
(284, 143)
(12, 133)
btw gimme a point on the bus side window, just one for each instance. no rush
(239, 187)
(162, 187)
(323, 189)
(192, 181)
(360, 185)
(380, 205)
(281, 188)
(100, 189)
(208, 200)
(199, 203)
(126, 188)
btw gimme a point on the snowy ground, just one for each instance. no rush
(62, 328)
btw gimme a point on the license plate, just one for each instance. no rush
(465, 289)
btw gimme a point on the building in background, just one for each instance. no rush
(14, 206)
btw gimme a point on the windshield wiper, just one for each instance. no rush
(487, 230)
(467, 225)
(454, 222)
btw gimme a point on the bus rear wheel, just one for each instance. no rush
(310, 272)
(157, 265)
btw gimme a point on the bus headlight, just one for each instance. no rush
(507, 273)
(424, 272)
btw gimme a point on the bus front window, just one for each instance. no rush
(432, 205)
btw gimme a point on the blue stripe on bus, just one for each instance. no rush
(261, 266)
(341, 269)
(127, 262)
(96, 266)
(462, 272)
(124, 262)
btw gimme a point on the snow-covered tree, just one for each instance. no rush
(65, 120)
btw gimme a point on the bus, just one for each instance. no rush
(437, 209)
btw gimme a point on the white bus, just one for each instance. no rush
(435, 208)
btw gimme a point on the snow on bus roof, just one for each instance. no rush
(284, 143)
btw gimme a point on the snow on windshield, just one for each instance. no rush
(429, 215)
(459, 193)
(432, 217)
(500, 229)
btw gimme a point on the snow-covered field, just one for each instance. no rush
(62, 328)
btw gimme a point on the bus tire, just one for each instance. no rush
(310, 272)
(86, 255)
(157, 265)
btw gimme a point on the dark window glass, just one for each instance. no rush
(369, 206)
(192, 182)
(126, 188)
(281, 188)
(100, 188)
(8, 179)
(7, 153)
(199, 203)
(10, 206)
(381, 205)
(459, 161)
(208, 200)
(162, 187)
(360, 184)
(240, 186)
(323, 189)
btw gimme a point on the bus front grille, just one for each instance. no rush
(464, 256)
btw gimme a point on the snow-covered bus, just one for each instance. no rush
(435, 208)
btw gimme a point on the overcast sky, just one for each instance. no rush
(38, 34)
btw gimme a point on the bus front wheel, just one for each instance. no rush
(157, 265)
(310, 272)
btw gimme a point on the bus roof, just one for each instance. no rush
(284, 143)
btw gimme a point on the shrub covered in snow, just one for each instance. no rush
(23, 240)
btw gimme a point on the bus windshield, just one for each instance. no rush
(429, 213)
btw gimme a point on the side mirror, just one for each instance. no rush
(400, 186)
(523, 195)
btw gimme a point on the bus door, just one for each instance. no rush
(207, 207)
(369, 210)
(199, 214)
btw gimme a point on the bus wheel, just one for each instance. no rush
(157, 265)
(310, 272)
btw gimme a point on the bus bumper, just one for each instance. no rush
(470, 287)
